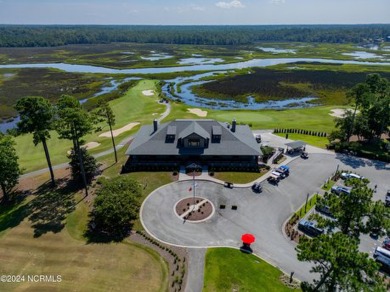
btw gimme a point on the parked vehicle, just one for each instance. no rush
(257, 188)
(375, 232)
(309, 228)
(228, 185)
(304, 155)
(258, 138)
(385, 261)
(387, 199)
(324, 210)
(273, 179)
(347, 175)
(386, 243)
(284, 171)
(380, 251)
(339, 189)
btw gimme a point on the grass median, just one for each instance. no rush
(228, 269)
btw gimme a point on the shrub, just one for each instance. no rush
(117, 204)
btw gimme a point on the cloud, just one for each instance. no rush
(231, 4)
(277, 2)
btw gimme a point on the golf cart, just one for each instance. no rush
(305, 155)
(256, 187)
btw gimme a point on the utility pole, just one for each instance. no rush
(307, 198)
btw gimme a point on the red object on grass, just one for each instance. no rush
(248, 238)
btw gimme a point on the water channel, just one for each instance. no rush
(186, 95)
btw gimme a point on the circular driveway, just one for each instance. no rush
(260, 214)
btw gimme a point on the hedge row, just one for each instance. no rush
(348, 149)
(300, 131)
(178, 279)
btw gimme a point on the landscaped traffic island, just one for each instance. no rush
(194, 209)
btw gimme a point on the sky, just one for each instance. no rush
(194, 12)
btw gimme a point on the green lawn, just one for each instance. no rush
(328, 186)
(238, 177)
(310, 204)
(82, 266)
(311, 140)
(229, 269)
(315, 119)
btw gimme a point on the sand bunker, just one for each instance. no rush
(119, 131)
(198, 112)
(90, 145)
(149, 92)
(338, 112)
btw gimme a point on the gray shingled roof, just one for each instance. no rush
(216, 130)
(194, 127)
(296, 144)
(241, 142)
(171, 130)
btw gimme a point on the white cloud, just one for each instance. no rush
(277, 2)
(231, 4)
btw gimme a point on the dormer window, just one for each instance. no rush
(216, 133)
(194, 143)
(171, 134)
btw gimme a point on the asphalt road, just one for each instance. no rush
(261, 214)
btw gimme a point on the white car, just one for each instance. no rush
(346, 175)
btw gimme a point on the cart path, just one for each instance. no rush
(121, 144)
(196, 263)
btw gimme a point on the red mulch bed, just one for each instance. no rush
(186, 204)
(191, 173)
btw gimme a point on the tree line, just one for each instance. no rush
(58, 35)
(370, 116)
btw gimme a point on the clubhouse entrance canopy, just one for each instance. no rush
(296, 145)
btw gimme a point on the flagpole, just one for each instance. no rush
(193, 186)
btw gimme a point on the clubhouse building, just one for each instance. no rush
(185, 142)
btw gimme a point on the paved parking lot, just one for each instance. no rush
(261, 214)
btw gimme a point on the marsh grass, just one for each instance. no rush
(49, 83)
